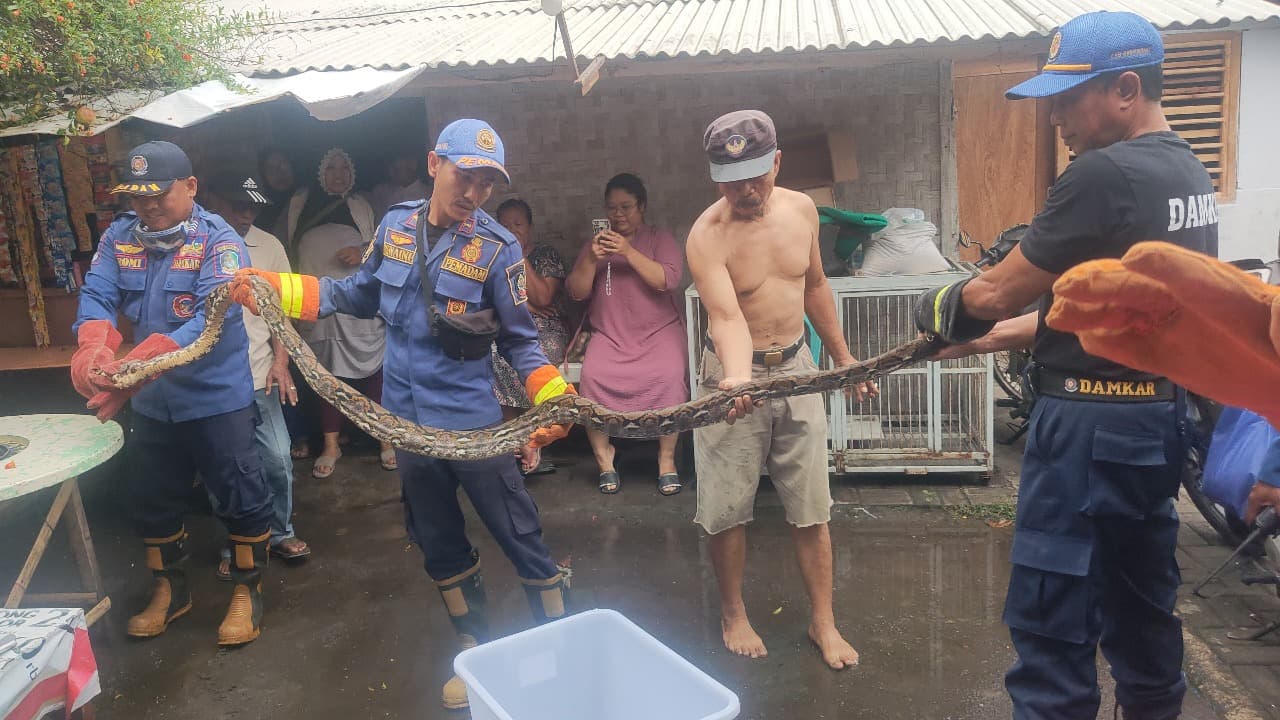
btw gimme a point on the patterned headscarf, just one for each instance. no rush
(333, 157)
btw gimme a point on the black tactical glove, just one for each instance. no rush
(940, 312)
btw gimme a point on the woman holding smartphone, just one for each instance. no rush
(629, 275)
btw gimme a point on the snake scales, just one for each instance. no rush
(509, 436)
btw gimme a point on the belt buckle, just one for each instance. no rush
(772, 358)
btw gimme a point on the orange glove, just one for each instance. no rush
(1205, 325)
(98, 342)
(543, 384)
(299, 294)
(109, 401)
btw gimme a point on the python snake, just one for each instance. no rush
(508, 437)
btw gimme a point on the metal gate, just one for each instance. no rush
(931, 418)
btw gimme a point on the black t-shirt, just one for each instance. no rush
(1149, 188)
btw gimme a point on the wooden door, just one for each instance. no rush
(1005, 157)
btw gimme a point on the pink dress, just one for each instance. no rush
(637, 358)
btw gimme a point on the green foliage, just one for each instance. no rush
(56, 55)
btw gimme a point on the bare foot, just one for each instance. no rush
(837, 653)
(740, 638)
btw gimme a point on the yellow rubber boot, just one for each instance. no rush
(170, 597)
(243, 622)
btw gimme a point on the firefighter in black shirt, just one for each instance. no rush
(1093, 549)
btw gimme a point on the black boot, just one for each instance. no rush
(464, 598)
(243, 622)
(170, 596)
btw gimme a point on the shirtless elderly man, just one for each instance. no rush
(754, 258)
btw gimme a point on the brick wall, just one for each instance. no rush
(562, 148)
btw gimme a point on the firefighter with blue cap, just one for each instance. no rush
(450, 281)
(1094, 540)
(156, 266)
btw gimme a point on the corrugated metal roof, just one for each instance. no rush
(459, 33)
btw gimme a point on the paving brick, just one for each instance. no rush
(952, 496)
(845, 495)
(1243, 652)
(884, 496)
(1263, 684)
(989, 495)
(1201, 614)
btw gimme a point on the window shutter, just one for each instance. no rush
(1201, 86)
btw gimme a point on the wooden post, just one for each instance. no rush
(82, 545)
(42, 543)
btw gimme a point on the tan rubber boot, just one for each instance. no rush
(243, 622)
(464, 598)
(547, 597)
(170, 597)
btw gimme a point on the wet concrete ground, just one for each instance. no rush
(358, 631)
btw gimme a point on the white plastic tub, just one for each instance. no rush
(596, 665)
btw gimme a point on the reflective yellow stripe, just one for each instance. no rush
(295, 302)
(286, 293)
(937, 307)
(291, 294)
(1068, 68)
(555, 386)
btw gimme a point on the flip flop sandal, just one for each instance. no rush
(669, 484)
(224, 570)
(388, 460)
(324, 466)
(610, 482)
(300, 549)
(299, 452)
(542, 469)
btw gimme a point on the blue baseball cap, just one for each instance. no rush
(1090, 45)
(153, 167)
(470, 144)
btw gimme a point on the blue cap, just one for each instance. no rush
(153, 167)
(1090, 45)
(470, 144)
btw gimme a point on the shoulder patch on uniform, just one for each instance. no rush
(516, 280)
(467, 228)
(226, 259)
(398, 246)
(184, 306)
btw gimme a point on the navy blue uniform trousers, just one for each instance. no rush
(164, 458)
(496, 489)
(1093, 561)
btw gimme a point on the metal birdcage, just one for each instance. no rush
(931, 418)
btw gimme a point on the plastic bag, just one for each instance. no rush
(1245, 449)
(904, 247)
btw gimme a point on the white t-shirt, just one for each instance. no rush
(265, 253)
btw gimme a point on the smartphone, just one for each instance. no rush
(598, 226)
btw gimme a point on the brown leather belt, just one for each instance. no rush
(768, 358)
(1081, 387)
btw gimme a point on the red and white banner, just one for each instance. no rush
(47, 669)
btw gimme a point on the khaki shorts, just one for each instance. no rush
(788, 436)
